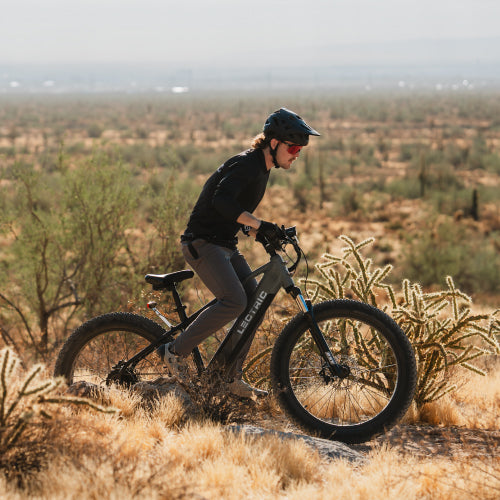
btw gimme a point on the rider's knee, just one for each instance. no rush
(237, 303)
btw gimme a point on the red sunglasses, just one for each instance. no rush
(293, 149)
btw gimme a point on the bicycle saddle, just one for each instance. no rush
(167, 281)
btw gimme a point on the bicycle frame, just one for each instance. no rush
(276, 275)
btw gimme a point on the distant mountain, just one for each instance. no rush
(408, 52)
(414, 64)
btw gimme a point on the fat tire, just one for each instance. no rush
(364, 315)
(103, 325)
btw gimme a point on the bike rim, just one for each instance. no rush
(364, 394)
(100, 354)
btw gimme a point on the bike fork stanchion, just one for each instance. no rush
(305, 306)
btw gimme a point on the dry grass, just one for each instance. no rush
(474, 405)
(155, 453)
(204, 461)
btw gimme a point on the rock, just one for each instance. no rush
(83, 389)
(162, 386)
(331, 450)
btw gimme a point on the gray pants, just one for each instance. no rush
(223, 271)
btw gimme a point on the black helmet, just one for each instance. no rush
(285, 125)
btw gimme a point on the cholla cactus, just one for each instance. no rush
(442, 330)
(350, 275)
(440, 325)
(24, 398)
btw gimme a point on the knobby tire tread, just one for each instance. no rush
(99, 325)
(403, 350)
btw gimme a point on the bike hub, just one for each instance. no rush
(122, 375)
(330, 374)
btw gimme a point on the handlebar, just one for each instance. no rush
(288, 237)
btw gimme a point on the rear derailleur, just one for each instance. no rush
(122, 374)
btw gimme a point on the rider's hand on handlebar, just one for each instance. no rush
(271, 232)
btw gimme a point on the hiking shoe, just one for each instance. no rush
(175, 364)
(241, 389)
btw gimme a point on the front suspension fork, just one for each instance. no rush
(306, 307)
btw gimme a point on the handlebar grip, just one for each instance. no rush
(262, 240)
(289, 236)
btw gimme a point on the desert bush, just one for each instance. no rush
(169, 206)
(383, 146)
(456, 155)
(439, 177)
(94, 131)
(26, 399)
(74, 255)
(407, 152)
(350, 200)
(444, 247)
(205, 162)
(139, 155)
(406, 187)
(440, 325)
(334, 143)
(491, 163)
(424, 178)
(142, 132)
(302, 192)
(65, 251)
(9, 152)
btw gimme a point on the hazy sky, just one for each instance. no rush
(194, 31)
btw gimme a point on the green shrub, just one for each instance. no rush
(350, 201)
(446, 247)
(142, 133)
(302, 191)
(67, 253)
(407, 152)
(169, 206)
(407, 187)
(94, 131)
(491, 163)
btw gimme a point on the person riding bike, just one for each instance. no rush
(209, 243)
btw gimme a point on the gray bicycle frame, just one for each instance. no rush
(275, 276)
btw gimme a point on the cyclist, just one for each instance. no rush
(209, 243)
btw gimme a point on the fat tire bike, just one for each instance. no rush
(340, 369)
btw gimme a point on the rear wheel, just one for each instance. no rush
(98, 345)
(380, 372)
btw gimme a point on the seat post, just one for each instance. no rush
(179, 306)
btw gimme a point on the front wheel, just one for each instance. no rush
(380, 368)
(93, 349)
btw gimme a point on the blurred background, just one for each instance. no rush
(195, 45)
